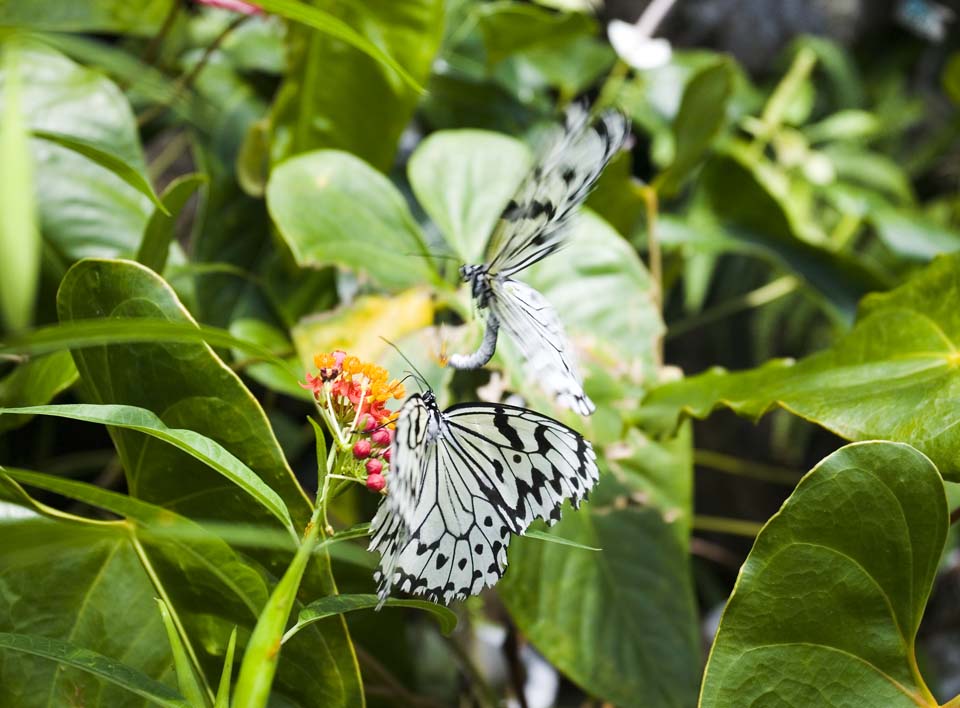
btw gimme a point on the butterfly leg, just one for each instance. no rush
(487, 347)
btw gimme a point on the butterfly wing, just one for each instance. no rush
(533, 223)
(533, 324)
(491, 470)
(392, 522)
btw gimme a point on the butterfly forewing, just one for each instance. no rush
(488, 473)
(533, 224)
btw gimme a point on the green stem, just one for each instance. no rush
(755, 298)
(781, 98)
(263, 650)
(719, 524)
(744, 468)
(174, 616)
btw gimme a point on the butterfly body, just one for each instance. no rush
(464, 480)
(533, 225)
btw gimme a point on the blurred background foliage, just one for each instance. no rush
(274, 177)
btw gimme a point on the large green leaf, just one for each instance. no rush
(331, 207)
(827, 605)
(621, 622)
(198, 446)
(19, 236)
(94, 595)
(463, 179)
(186, 385)
(96, 664)
(141, 18)
(364, 107)
(894, 376)
(84, 208)
(189, 387)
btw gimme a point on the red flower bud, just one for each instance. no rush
(374, 466)
(366, 423)
(376, 482)
(361, 449)
(386, 454)
(381, 437)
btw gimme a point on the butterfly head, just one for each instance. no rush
(478, 278)
(429, 399)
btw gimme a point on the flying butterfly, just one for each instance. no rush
(533, 225)
(461, 482)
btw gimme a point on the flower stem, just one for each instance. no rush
(263, 650)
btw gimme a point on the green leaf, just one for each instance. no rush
(364, 108)
(463, 179)
(186, 678)
(189, 384)
(620, 623)
(339, 604)
(199, 446)
(84, 208)
(96, 664)
(826, 608)
(333, 208)
(98, 332)
(223, 691)
(96, 595)
(185, 542)
(549, 538)
(96, 16)
(191, 388)
(509, 27)
(335, 27)
(891, 377)
(913, 235)
(136, 178)
(159, 233)
(19, 236)
(35, 382)
(701, 118)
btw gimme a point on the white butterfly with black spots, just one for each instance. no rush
(461, 482)
(533, 225)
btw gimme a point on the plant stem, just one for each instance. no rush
(719, 524)
(763, 295)
(654, 257)
(776, 107)
(174, 616)
(263, 650)
(744, 468)
(184, 82)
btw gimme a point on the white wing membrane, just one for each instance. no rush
(534, 325)
(488, 473)
(533, 224)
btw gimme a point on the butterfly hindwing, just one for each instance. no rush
(488, 473)
(534, 325)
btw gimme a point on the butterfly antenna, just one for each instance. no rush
(422, 378)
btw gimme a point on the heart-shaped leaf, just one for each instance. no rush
(828, 603)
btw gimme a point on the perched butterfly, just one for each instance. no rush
(532, 226)
(461, 482)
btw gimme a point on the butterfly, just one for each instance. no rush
(462, 481)
(533, 225)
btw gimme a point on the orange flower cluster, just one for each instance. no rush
(354, 386)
